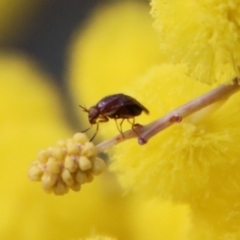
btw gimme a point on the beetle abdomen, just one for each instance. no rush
(129, 111)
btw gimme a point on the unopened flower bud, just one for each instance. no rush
(67, 165)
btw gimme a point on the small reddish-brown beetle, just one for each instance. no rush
(116, 106)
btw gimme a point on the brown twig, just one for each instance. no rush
(146, 132)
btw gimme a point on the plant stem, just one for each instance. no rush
(146, 132)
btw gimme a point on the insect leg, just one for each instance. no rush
(119, 127)
(134, 126)
(101, 119)
(86, 129)
(137, 126)
(94, 133)
(133, 123)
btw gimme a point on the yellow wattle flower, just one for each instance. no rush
(202, 34)
(182, 162)
(117, 45)
(156, 220)
(195, 162)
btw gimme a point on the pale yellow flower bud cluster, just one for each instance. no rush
(67, 165)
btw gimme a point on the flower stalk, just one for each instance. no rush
(144, 133)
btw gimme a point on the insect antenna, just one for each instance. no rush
(84, 108)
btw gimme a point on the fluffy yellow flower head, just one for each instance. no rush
(188, 159)
(203, 34)
(117, 45)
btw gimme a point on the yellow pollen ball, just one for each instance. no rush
(43, 156)
(67, 178)
(80, 138)
(70, 164)
(73, 149)
(89, 177)
(62, 143)
(60, 188)
(89, 150)
(53, 166)
(84, 163)
(58, 153)
(76, 187)
(81, 177)
(98, 166)
(35, 173)
(48, 181)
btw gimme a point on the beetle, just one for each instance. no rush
(116, 106)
